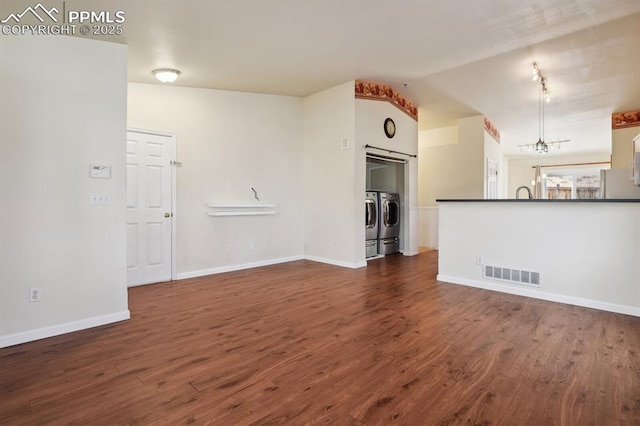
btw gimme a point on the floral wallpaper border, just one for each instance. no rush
(620, 120)
(491, 129)
(384, 92)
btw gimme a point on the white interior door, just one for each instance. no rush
(149, 207)
(492, 179)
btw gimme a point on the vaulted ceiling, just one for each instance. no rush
(459, 57)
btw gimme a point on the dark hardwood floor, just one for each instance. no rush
(308, 343)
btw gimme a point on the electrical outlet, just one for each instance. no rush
(229, 248)
(479, 260)
(35, 294)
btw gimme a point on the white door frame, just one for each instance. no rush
(172, 144)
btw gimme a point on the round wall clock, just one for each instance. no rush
(389, 128)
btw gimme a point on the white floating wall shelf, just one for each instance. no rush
(241, 209)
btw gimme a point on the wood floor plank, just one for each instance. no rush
(308, 343)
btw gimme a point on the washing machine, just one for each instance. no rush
(371, 223)
(388, 223)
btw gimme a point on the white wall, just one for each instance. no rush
(370, 116)
(452, 168)
(440, 136)
(428, 211)
(330, 178)
(586, 252)
(334, 176)
(521, 170)
(452, 163)
(63, 107)
(227, 142)
(428, 225)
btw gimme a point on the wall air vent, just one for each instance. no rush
(511, 275)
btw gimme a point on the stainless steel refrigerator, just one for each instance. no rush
(618, 184)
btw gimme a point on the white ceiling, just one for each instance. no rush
(460, 57)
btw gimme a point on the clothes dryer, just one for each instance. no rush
(388, 223)
(371, 223)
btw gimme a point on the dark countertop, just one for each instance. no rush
(526, 200)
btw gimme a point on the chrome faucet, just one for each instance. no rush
(528, 191)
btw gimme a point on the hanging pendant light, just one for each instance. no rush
(541, 146)
(543, 100)
(544, 96)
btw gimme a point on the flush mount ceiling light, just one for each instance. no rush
(166, 75)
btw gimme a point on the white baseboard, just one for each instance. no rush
(56, 330)
(231, 268)
(543, 295)
(355, 265)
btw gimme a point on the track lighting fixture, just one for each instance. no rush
(535, 72)
(544, 96)
(537, 76)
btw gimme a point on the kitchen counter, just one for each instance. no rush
(580, 252)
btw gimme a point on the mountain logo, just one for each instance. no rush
(34, 11)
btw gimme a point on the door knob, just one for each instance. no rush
(167, 215)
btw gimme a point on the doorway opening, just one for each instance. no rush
(386, 179)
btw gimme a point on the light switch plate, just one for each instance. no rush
(99, 199)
